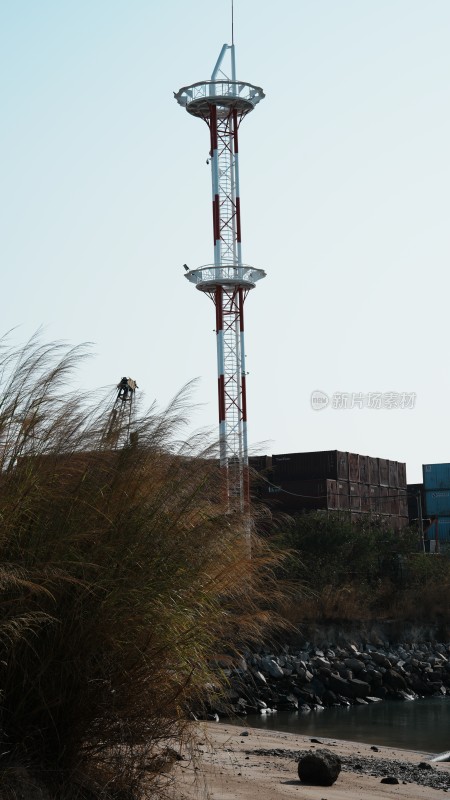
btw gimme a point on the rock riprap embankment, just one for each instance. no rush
(311, 678)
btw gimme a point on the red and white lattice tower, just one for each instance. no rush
(222, 103)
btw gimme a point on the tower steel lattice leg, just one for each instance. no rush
(229, 308)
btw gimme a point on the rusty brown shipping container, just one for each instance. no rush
(365, 497)
(303, 495)
(395, 502)
(343, 496)
(383, 466)
(324, 464)
(374, 472)
(342, 465)
(320, 464)
(354, 495)
(402, 475)
(317, 494)
(353, 467)
(374, 494)
(333, 500)
(260, 463)
(383, 499)
(364, 469)
(393, 474)
(387, 496)
(402, 503)
(398, 523)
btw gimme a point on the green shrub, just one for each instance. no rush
(362, 570)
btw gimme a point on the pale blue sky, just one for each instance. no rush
(345, 183)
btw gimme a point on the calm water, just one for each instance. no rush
(417, 725)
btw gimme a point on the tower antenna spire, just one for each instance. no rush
(222, 103)
(232, 23)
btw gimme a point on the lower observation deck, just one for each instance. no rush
(209, 277)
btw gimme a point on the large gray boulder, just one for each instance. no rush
(320, 768)
(393, 679)
(354, 664)
(358, 688)
(381, 660)
(338, 684)
(270, 666)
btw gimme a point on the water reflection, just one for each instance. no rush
(418, 725)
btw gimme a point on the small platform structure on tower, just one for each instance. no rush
(118, 431)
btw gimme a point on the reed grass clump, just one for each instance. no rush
(121, 578)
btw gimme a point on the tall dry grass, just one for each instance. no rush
(121, 578)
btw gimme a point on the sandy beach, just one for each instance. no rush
(228, 765)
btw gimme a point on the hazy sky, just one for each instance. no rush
(345, 185)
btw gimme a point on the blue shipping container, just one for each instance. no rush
(437, 503)
(443, 530)
(436, 476)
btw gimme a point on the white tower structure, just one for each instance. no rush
(222, 103)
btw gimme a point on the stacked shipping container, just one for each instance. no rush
(336, 480)
(436, 484)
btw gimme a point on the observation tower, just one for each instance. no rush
(222, 103)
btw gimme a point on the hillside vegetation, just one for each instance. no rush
(360, 571)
